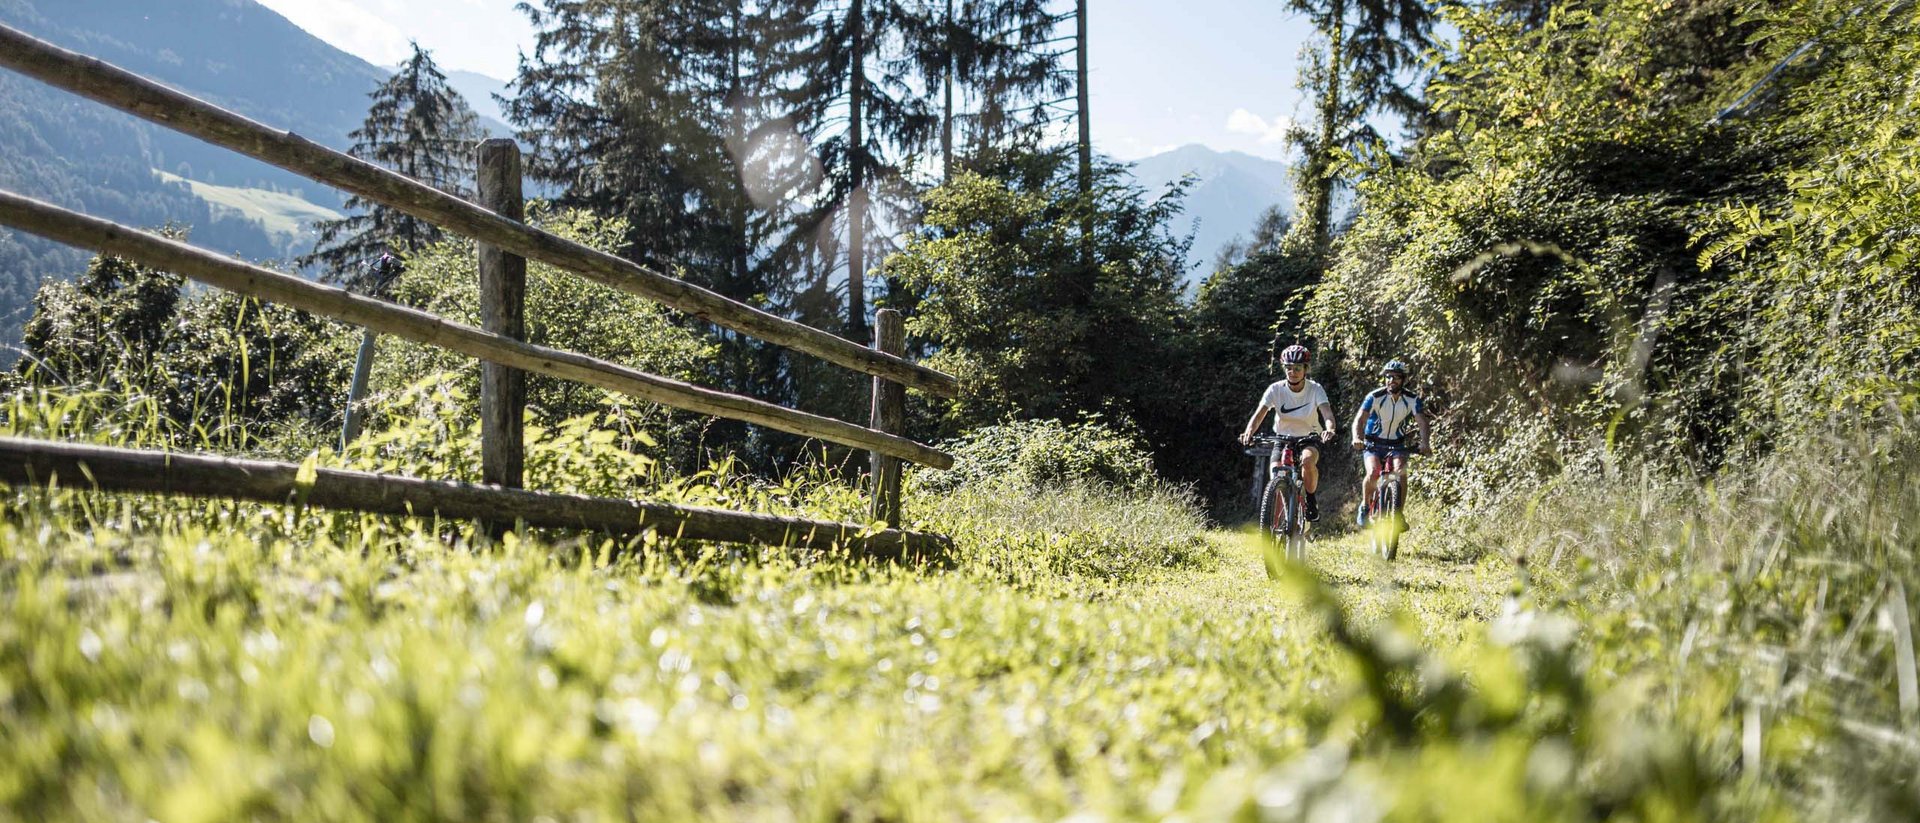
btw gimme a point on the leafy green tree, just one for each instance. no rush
(565, 312)
(115, 319)
(1006, 306)
(417, 126)
(1825, 265)
(1538, 260)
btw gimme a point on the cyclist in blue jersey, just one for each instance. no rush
(1300, 410)
(1382, 425)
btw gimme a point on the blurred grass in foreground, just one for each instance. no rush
(1091, 652)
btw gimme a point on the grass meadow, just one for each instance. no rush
(1623, 647)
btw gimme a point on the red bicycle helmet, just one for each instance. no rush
(1295, 353)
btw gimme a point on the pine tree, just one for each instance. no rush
(863, 117)
(996, 56)
(602, 104)
(680, 118)
(417, 126)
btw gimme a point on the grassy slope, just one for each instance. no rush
(280, 214)
(275, 674)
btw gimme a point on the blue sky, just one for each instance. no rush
(1216, 72)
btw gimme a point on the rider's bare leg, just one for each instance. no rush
(1310, 469)
(1372, 480)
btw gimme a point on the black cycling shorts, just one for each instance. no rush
(1388, 448)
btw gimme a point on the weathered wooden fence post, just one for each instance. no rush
(889, 415)
(503, 290)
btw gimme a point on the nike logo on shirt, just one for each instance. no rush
(1285, 410)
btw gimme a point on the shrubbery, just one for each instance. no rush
(563, 311)
(1033, 454)
(212, 367)
(1039, 502)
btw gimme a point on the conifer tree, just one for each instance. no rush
(997, 57)
(863, 117)
(417, 126)
(681, 119)
(602, 105)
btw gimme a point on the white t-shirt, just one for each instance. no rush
(1295, 414)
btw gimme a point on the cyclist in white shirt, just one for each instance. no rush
(1300, 409)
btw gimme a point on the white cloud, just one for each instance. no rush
(349, 26)
(1266, 131)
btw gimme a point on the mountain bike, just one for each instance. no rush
(1283, 506)
(1385, 521)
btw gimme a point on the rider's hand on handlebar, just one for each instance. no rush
(1326, 437)
(1358, 444)
(1246, 438)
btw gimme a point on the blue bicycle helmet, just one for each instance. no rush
(1395, 366)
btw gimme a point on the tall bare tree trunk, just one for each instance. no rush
(857, 156)
(1086, 143)
(946, 99)
(737, 137)
(1086, 121)
(1312, 233)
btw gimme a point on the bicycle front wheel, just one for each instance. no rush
(1273, 523)
(1387, 514)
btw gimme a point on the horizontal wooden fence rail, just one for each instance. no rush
(45, 463)
(87, 232)
(136, 95)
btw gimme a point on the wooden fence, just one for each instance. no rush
(504, 243)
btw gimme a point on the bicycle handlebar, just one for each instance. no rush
(1278, 439)
(1409, 448)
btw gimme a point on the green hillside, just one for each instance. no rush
(82, 155)
(282, 215)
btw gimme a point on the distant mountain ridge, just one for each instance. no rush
(479, 90)
(1230, 191)
(234, 53)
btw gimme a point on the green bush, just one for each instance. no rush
(563, 311)
(1043, 453)
(215, 367)
(1037, 316)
